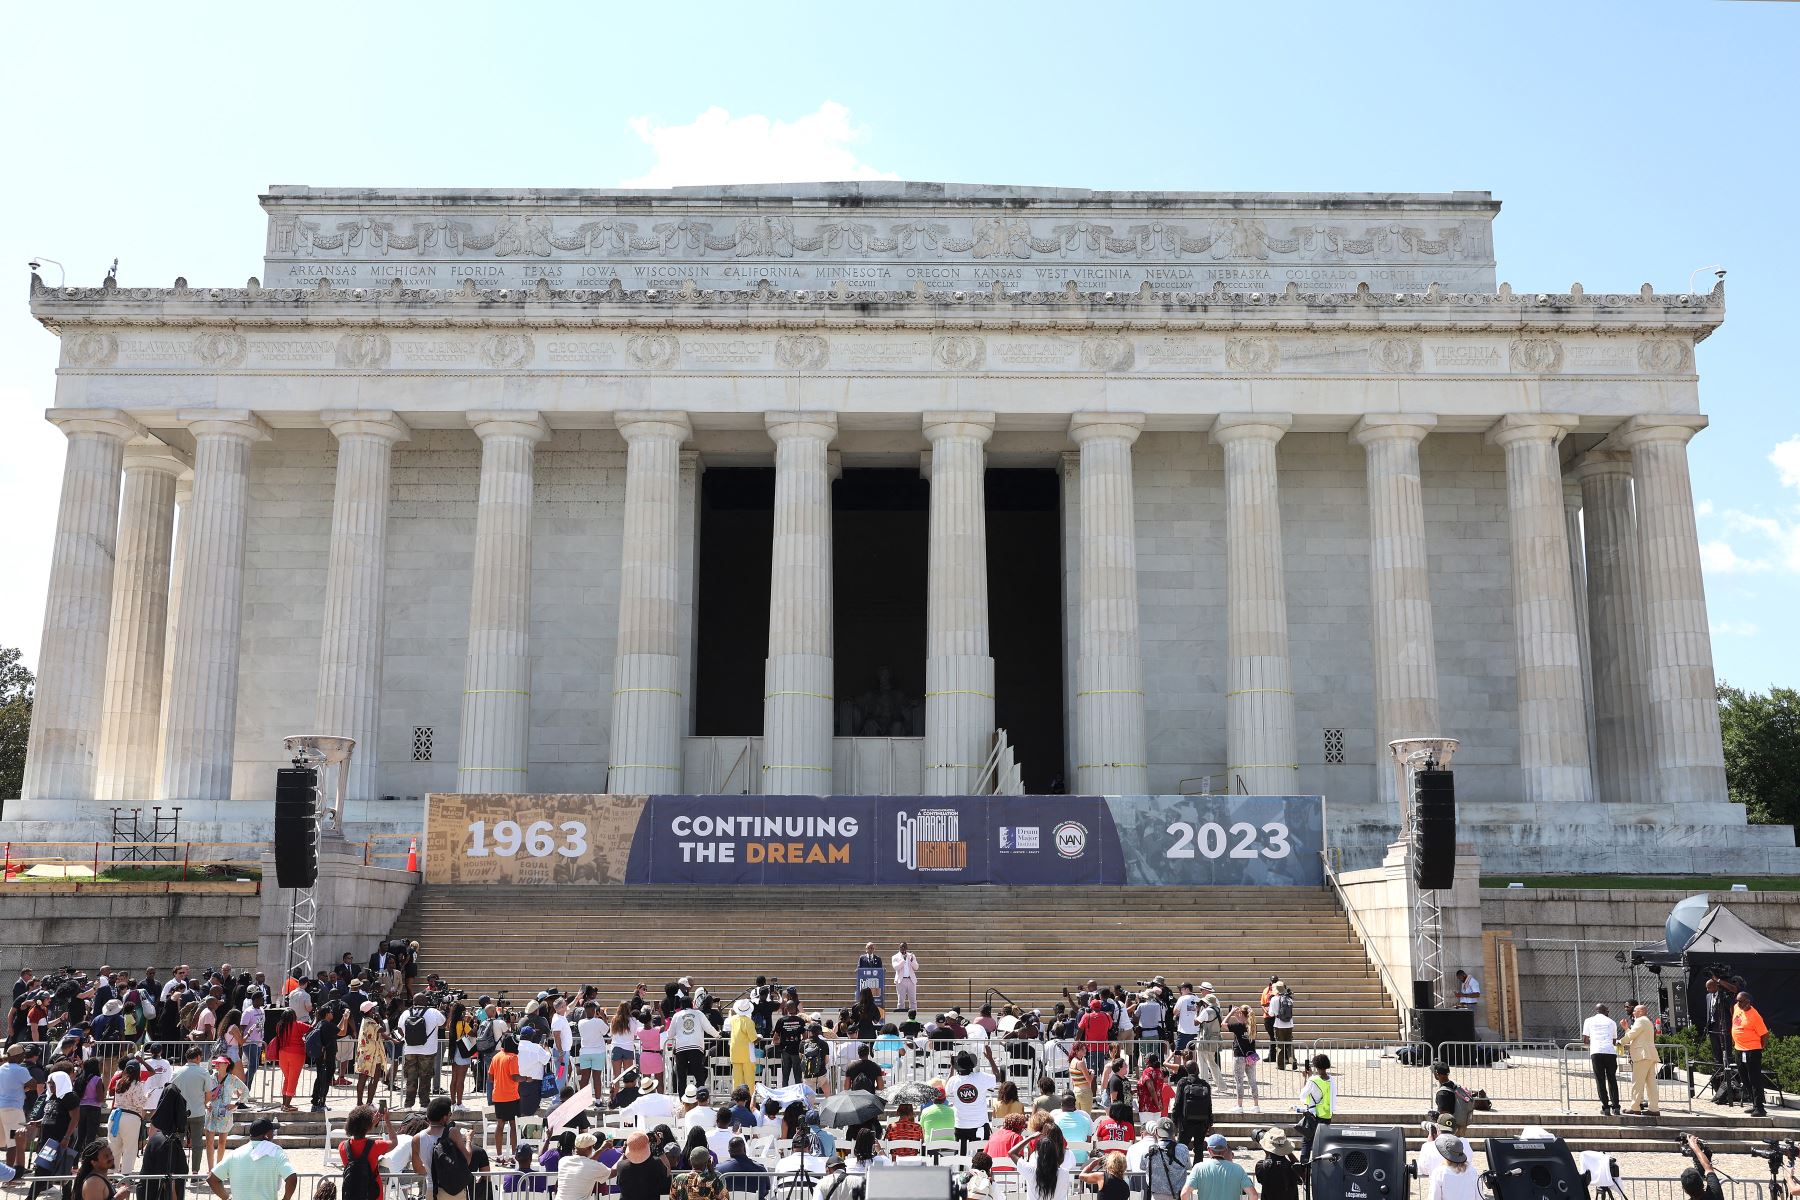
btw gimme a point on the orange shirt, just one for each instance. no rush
(1747, 1029)
(501, 1070)
(1267, 992)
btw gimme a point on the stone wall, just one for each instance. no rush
(357, 907)
(1606, 915)
(126, 926)
(1377, 900)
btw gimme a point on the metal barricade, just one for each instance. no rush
(1534, 1072)
(1380, 1078)
(1673, 1080)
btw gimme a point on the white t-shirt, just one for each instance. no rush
(1150, 1016)
(651, 1109)
(578, 1175)
(533, 1058)
(719, 1142)
(1469, 993)
(565, 1041)
(593, 1032)
(968, 1096)
(1602, 1034)
(1454, 1185)
(627, 1041)
(434, 1021)
(1186, 1006)
(1271, 1010)
(1064, 1176)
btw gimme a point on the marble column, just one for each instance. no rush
(494, 743)
(1405, 651)
(649, 699)
(1690, 760)
(959, 670)
(131, 720)
(184, 498)
(1578, 583)
(797, 692)
(200, 719)
(1553, 744)
(1259, 689)
(1111, 756)
(61, 755)
(348, 702)
(1623, 772)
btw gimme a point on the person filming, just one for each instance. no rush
(1700, 1181)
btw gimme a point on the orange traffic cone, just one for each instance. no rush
(412, 855)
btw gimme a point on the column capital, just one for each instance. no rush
(1531, 427)
(1640, 429)
(637, 423)
(108, 422)
(792, 423)
(366, 422)
(1261, 427)
(239, 423)
(524, 423)
(1088, 426)
(1602, 462)
(155, 456)
(977, 425)
(1392, 427)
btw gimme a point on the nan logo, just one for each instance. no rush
(1070, 839)
(1019, 839)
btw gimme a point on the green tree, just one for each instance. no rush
(1762, 752)
(16, 687)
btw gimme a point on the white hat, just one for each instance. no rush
(691, 1095)
(742, 1007)
(1205, 986)
(647, 1083)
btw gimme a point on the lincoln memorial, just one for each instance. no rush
(812, 489)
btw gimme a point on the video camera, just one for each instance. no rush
(1774, 1150)
(1687, 1151)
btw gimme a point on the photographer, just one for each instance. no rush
(1700, 1181)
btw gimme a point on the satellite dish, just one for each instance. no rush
(1684, 921)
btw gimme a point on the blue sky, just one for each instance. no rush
(1628, 142)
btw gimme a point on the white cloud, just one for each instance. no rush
(717, 147)
(1734, 629)
(1703, 509)
(1786, 457)
(1718, 558)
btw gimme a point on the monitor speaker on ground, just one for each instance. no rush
(1359, 1162)
(907, 1183)
(1533, 1169)
(296, 827)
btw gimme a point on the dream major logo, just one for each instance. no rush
(930, 840)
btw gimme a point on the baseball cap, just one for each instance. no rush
(1217, 1142)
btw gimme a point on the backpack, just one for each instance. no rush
(413, 1026)
(449, 1166)
(314, 1045)
(843, 1186)
(1284, 1007)
(361, 1180)
(1193, 1101)
(485, 1041)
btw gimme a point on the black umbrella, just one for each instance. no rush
(850, 1108)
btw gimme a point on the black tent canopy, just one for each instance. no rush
(1768, 969)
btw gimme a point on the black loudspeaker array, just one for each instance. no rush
(1433, 829)
(1533, 1169)
(296, 827)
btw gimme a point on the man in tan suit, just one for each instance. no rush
(1639, 1041)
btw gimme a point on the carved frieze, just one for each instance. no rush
(1536, 356)
(801, 352)
(220, 351)
(1664, 356)
(1402, 355)
(958, 352)
(1254, 354)
(507, 351)
(1108, 353)
(653, 351)
(363, 351)
(91, 349)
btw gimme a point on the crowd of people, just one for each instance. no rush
(1114, 1087)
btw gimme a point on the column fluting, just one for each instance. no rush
(1684, 712)
(1623, 766)
(1259, 689)
(1578, 583)
(200, 719)
(494, 742)
(348, 702)
(959, 669)
(649, 694)
(1111, 756)
(1553, 744)
(1405, 650)
(798, 704)
(61, 756)
(131, 720)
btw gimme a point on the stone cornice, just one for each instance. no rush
(1070, 308)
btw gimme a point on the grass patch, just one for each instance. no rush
(1649, 883)
(175, 873)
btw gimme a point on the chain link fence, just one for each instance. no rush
(1561, 980)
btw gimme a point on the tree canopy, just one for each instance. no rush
(16, 688)
(1762, 752)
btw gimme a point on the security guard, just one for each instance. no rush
(1315, 1103)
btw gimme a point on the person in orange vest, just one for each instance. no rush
(1267, 1016)
(1749, 1036)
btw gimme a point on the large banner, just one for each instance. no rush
(1017, 841)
